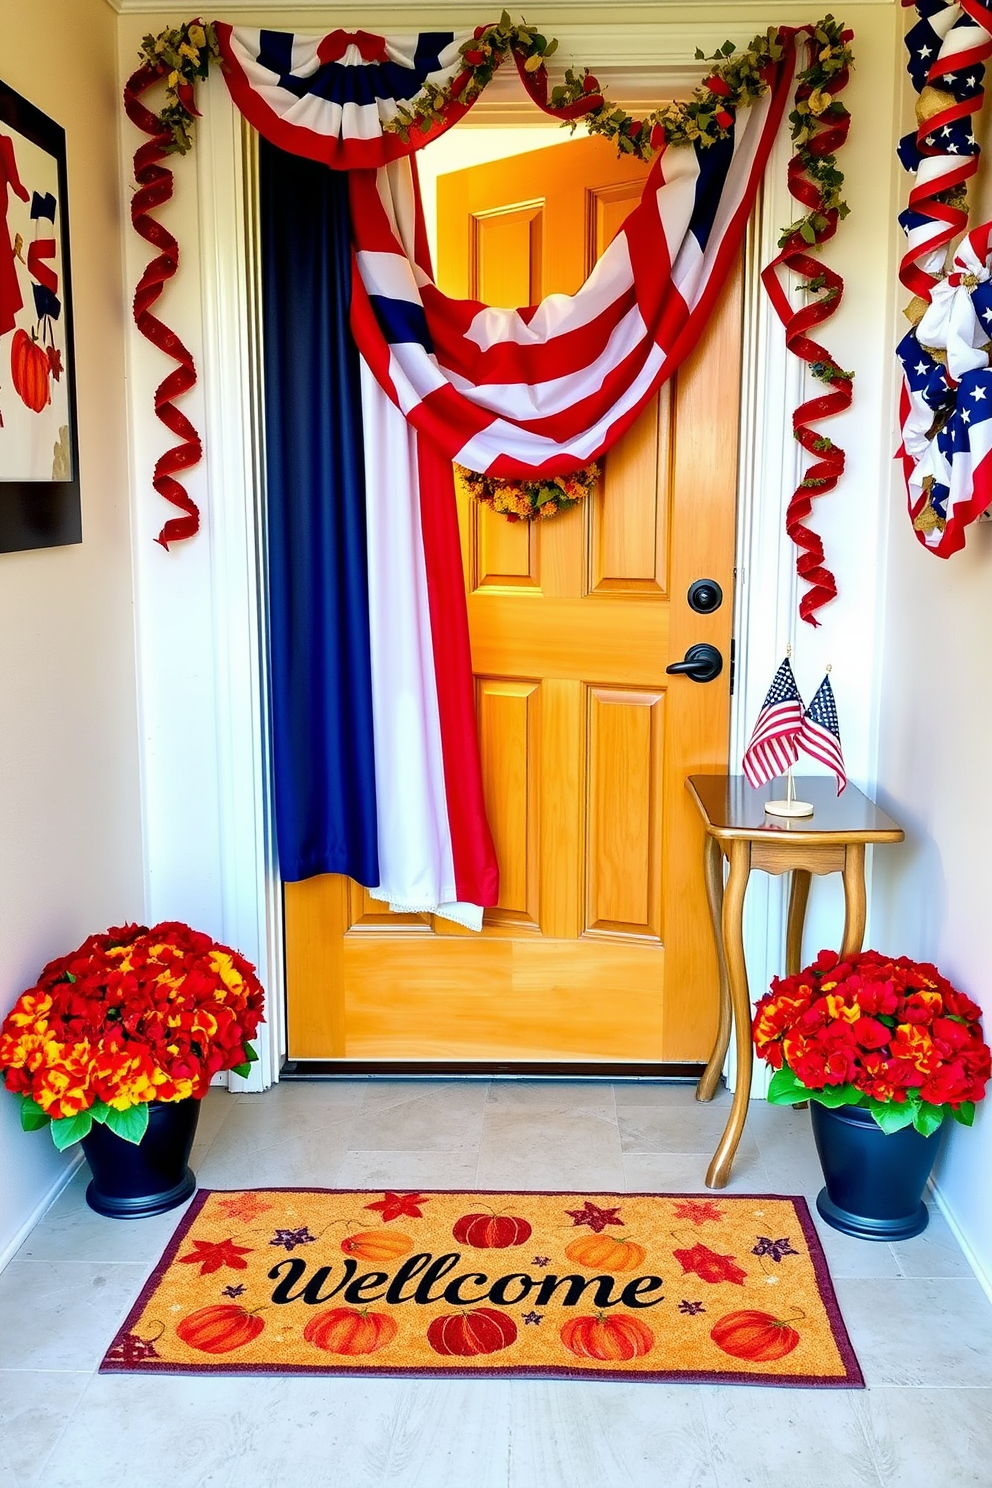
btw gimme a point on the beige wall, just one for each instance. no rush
(70, 848)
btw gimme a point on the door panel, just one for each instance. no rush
(600, 947)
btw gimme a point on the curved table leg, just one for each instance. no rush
(854, 899)
(713, 863)
(798, 896)
(733, 944)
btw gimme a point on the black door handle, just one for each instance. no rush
(702, 663)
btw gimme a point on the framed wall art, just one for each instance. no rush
(39, 459)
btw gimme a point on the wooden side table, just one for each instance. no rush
(737, 828)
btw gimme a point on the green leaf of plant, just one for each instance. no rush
(785, 1090)
(99, 1110)
(250, 1054)
(928, 1119)
(33, 1118)
(131, 1124)
(806, 232)
(892, 1118)
(965, 1113)
(71, 1129)
(833, 1096)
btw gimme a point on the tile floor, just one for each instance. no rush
(920, 1323)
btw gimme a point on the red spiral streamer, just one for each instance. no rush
(829, 461)
(155, 188)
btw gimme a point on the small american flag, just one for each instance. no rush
(820, 732)
(772, 748)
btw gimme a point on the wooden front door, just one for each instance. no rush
(600, 949)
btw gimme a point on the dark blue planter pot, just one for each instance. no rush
(134, 1179)
(874, 1180)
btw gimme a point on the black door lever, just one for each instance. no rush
(702, 663)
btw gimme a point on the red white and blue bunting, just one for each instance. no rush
(521, 393)
(946, 401)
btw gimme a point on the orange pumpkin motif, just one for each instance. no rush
(754, 1335)
(345, 1330)
(617, 1336)
(603, 1253)
(377, 1245)
(219, 1329)
(29, 371)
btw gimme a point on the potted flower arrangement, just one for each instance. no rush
(115, 1046)
(886, 1051)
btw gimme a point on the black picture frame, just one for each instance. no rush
(39, 512)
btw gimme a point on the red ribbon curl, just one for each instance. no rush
(155, 188)
(828, 466)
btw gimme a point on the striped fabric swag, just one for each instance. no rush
(525, 392)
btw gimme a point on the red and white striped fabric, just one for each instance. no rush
(543, 389)
(771, 749)
(508, 391)
(328, 97)
(435, 850)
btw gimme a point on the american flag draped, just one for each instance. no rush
(525, 391)
(528, 391)
(819, 734)
(771, 749)
(946, 399)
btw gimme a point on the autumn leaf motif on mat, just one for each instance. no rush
(210, 1255)
(774, 1249)
(400, 1205)
(709, 1266)
(698, 1211)
(491, 1284)
(130, 1349)
(597, 1219)
(292, 1238)
(243, 1206)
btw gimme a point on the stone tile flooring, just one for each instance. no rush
(920, 1323)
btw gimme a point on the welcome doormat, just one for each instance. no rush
(573, 1285)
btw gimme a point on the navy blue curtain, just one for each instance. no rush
(318, 576)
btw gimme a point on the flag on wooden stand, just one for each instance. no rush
(771, 749)
(819, 735)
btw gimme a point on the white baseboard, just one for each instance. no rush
(41, 1208)
(982, 1275)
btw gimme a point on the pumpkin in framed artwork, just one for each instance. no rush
(30, 371)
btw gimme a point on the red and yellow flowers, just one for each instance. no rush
(132, 1016)
(889, 1034)
(530, 500)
